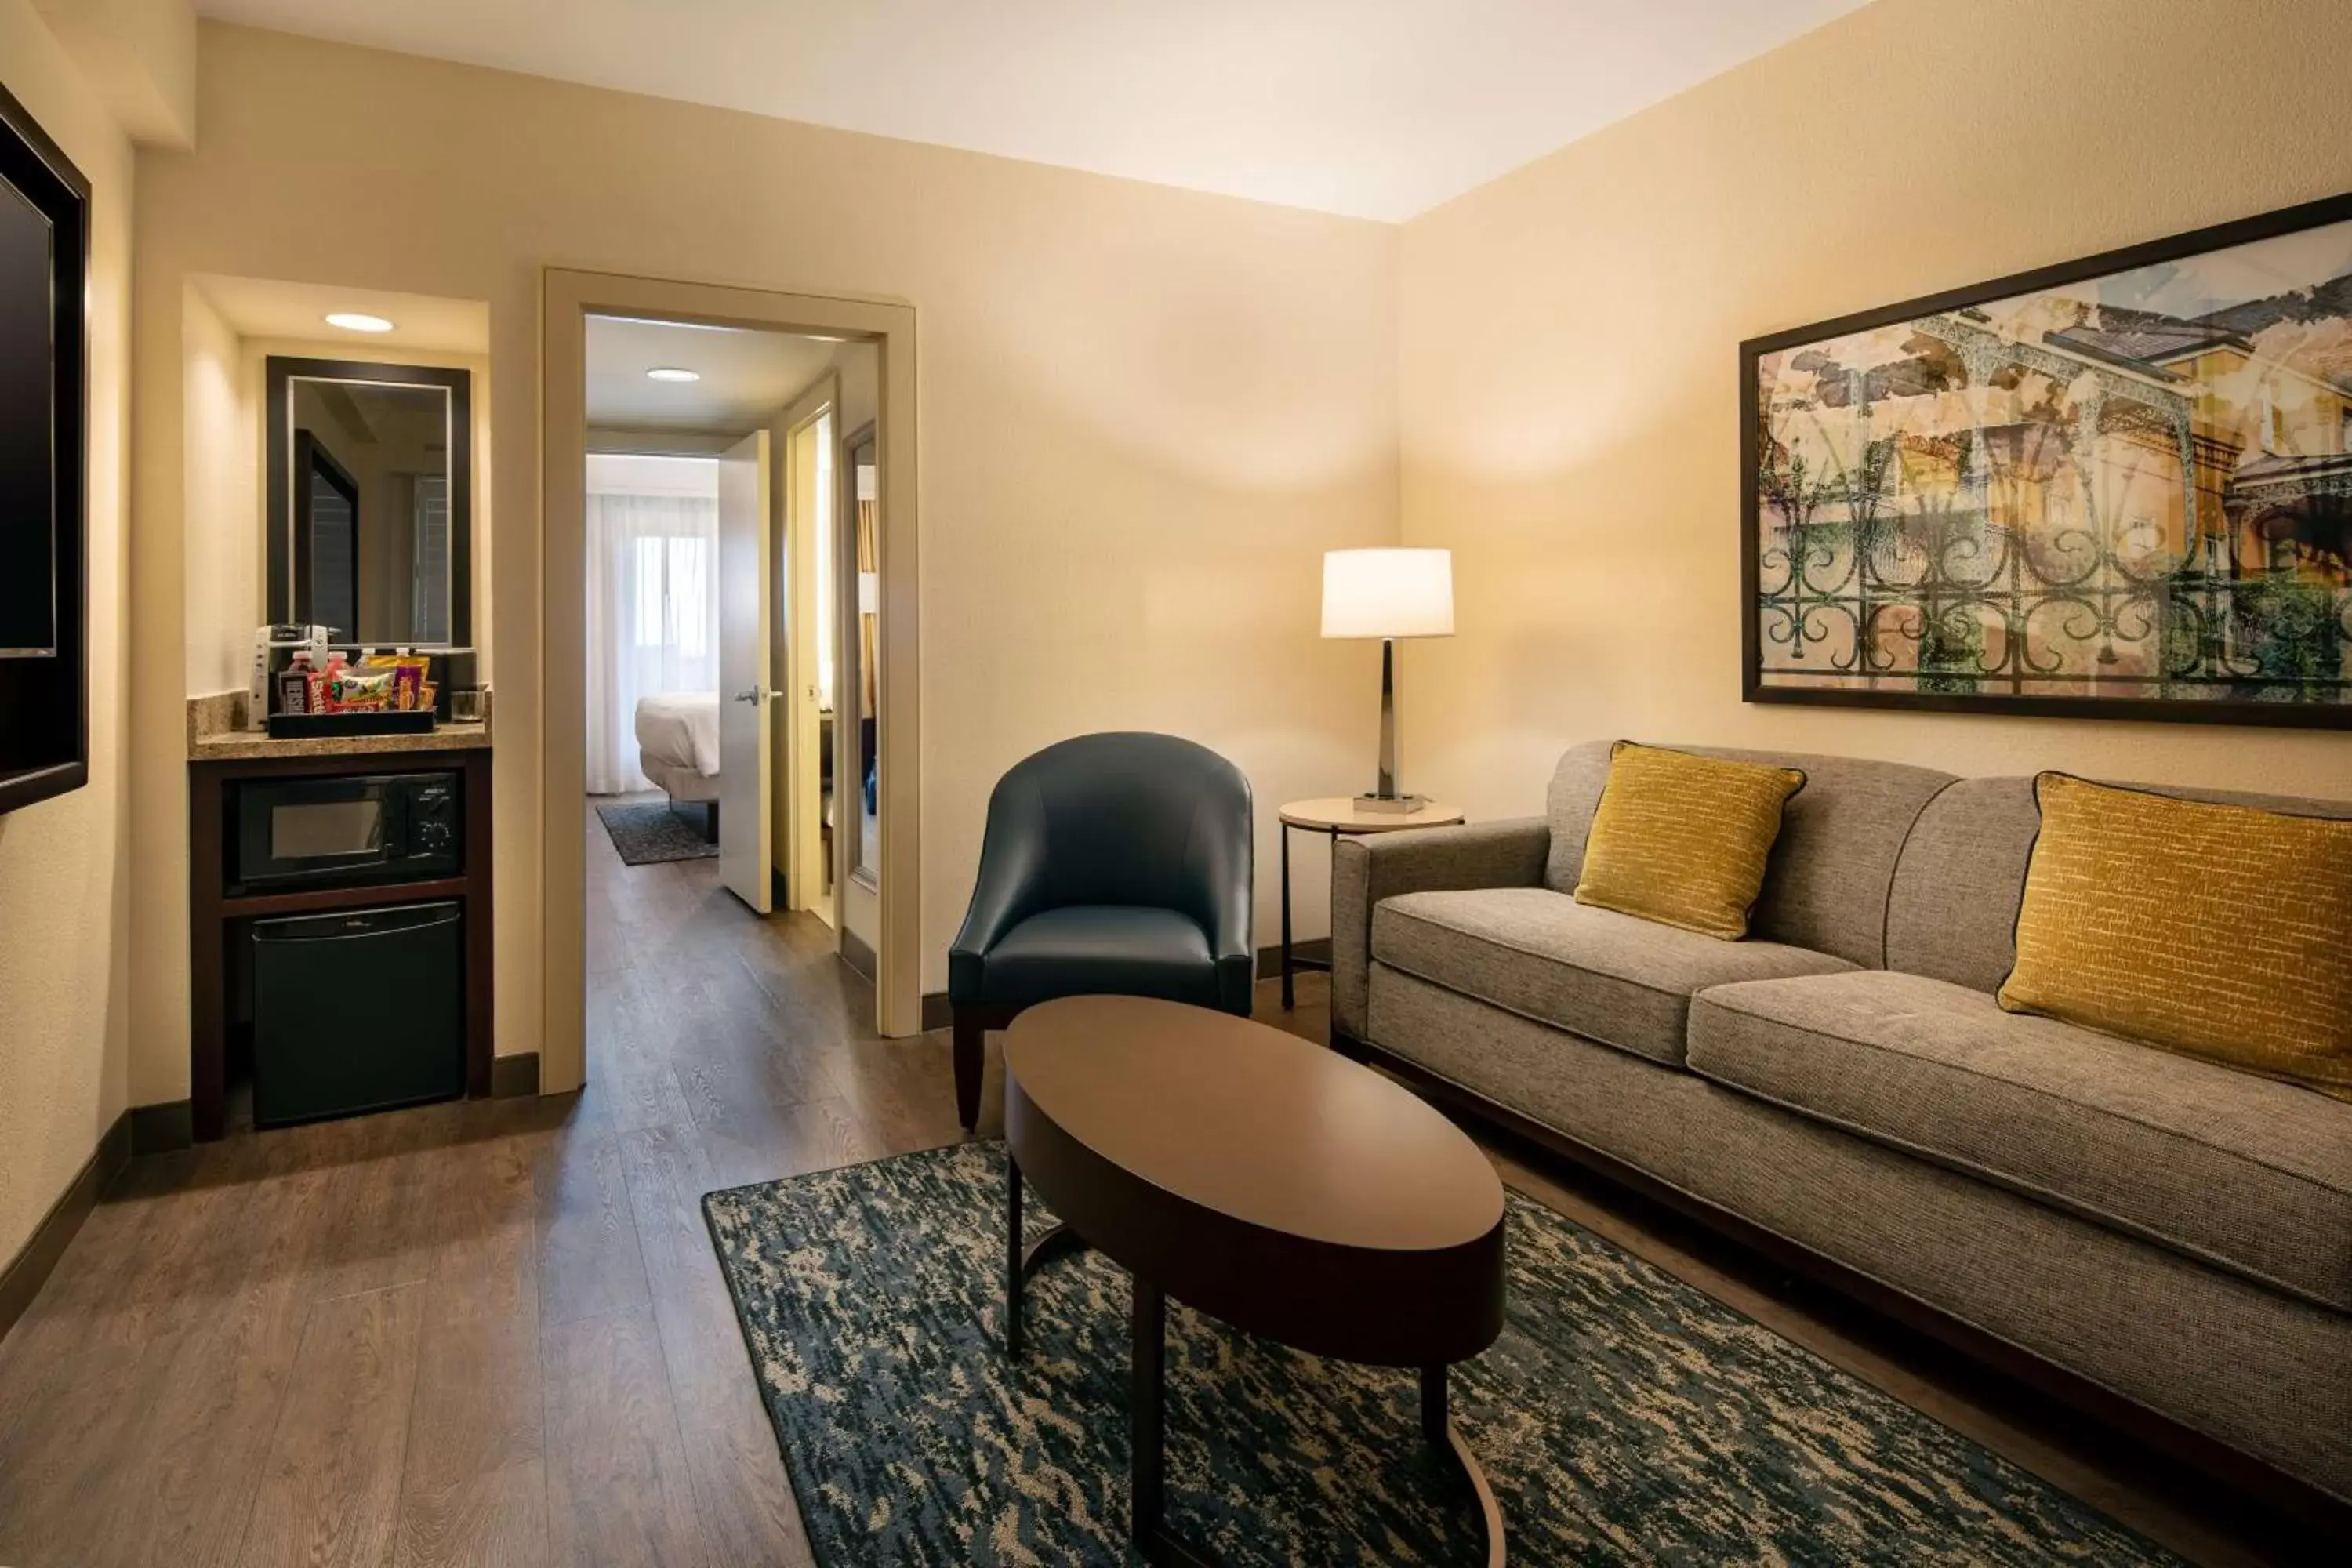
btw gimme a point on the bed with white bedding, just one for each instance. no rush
(677, 744)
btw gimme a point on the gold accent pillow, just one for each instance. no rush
(2220, 931)
(1682, 839)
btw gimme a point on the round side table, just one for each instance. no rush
(1332, 817)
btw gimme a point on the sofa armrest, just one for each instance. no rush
(1365, 869)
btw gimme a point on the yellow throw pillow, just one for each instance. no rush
(1682, 839)
(2219, 931)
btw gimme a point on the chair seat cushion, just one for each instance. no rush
(2252, 1176)
(1609, 977)
(1101, 949)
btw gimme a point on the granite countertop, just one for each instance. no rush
(217, 733)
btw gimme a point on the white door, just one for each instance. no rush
(747, 613)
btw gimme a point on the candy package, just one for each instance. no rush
(359, 690)
(409, 673)
(321, 685)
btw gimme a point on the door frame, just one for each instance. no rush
(567, 298)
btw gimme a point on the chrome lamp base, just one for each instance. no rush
(1384, 796)
(1403, 805)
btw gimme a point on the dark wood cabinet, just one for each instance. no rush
(213, 914)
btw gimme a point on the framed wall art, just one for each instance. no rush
(2119, 488)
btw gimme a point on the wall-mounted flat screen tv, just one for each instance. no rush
(44, 414)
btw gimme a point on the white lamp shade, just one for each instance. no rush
(1388, 593)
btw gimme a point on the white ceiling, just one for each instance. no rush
(1379, 109)
(746, 376)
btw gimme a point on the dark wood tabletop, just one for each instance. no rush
(1262, 1180)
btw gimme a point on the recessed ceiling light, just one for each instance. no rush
(358, 321)
(672, 372)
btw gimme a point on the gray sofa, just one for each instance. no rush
(2148, 1234)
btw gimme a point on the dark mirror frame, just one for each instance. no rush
(278, 372)
(44, 698)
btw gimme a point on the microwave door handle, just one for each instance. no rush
(395, 822)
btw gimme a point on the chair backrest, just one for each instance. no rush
(1127, 818)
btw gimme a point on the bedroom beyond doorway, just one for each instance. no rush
(730, 535)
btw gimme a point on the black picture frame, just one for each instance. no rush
(45, 696)
(2194, 242)
(279, 482)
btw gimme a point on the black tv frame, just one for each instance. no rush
(44, 698)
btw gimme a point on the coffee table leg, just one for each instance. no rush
(1019, 1260)
(1290, 1000)
(1145, 1479)
(1013, 1270)
(1437, 1426)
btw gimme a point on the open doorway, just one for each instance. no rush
(691, 582)
(744, 688)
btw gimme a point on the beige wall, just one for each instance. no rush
(222, 461)
(64, 914)
(1569, 350)
(1143, 413)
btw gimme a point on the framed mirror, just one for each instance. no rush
(370, 495)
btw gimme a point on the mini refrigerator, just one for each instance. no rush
(363, 1010)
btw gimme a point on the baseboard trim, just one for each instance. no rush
(162, 1129)
(1314, 950)
(514, 1076)
(30, 1268)
(855, 953)
(936, 1012)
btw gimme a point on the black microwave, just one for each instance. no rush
(286, 833)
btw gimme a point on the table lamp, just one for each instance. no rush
(1388, 595)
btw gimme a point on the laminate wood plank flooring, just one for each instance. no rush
(331, 1487)
(494, 1332)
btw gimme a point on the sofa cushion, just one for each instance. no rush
(1951, 911)
(2216, 931)
(1682, 839)
(1825, 887)
(2250, 1176)
(1623, 981)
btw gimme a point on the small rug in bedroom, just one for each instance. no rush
(1621, 1417)
(647, 832)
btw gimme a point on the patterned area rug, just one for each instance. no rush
(647, 832)
(1621, 1417)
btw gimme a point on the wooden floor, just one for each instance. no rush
(496, 1333)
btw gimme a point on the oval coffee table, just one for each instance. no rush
(1262, 1180)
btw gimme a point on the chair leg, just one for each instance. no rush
(970, 1036)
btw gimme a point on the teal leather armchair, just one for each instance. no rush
(1119, 863)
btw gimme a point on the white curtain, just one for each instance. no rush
(653, 617)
